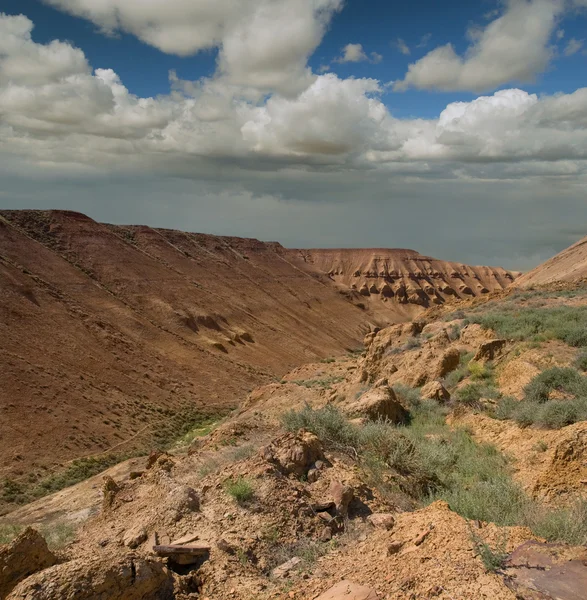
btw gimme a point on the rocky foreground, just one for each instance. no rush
(340, 507)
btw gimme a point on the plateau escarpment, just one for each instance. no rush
(404, 278)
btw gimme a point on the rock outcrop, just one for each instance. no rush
(26, 555)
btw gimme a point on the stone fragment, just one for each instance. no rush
(342, 496)
(382, 520)
(283, 570)
(26, 555)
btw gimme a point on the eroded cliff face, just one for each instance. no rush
(404, 277)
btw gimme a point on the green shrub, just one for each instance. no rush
(478, 371)
(565, 323)
(568, 524)
(8, 531)
(240, 489)
(505, 408)
(471, 393)
(409, 396)
(580, 362)
(493, 558)
(328, 423)
(560, 379)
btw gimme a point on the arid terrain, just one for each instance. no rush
(402, 449)
(115, 338)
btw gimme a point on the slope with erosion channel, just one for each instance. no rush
(112, 335)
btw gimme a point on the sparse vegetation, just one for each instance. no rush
(580, 363)
(539, 408)
(8, 531)
(538, 324)
(493, 558)
(472, 393)
(427, 461)
(240, 489)
(455, 377)
(410, 396)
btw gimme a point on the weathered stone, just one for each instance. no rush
(134, 537)
(490, 349)
(435, 391)
(128, 578)
(382, 520)
(449, 362)
(347, 590)
(547, 571)
(26, 555)
(378, 403)
(394, 548)
(326, 534)
(294, 453)
(109, 490)
(342, 496)
(183, 500)
(283, 570)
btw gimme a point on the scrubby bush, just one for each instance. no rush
(561, 379)
(580, 362)
(328, 423)
(565, 323)
(473, 392)
(411, 397)
(505, 408)
(240, 489)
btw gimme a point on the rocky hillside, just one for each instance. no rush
(435, 464)
(115, 338)
(568, 266)
(404, 278)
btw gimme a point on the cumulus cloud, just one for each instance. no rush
(573, 46)
(263, 44)
(354, 53)
(513, 47)
(55, 109)
(403, 47)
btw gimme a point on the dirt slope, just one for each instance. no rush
(404, 278)
(111, 334)
(107, 331)
(568, 266)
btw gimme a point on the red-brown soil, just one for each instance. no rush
(405, 277)
(570, 265)
(108, 332)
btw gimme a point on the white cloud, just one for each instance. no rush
(573, 46)
(402, 47)
(352, 53)
(55, 110)
(513, 47)
(262, 44)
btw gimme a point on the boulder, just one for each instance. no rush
(378, 403)
(294, 454)
(128, 578)
(435, 391)
(183, 500)
(342, 496)
(347, 590)
(449, 361)
(547, 571)
(26, 555)
(382, 520)
(490, 349)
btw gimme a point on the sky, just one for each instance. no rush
(458, 129)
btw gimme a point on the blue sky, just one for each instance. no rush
(376, 24)
(267, 118)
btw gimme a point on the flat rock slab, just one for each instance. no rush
(191, 549)
(536, 571)
(347, 590)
